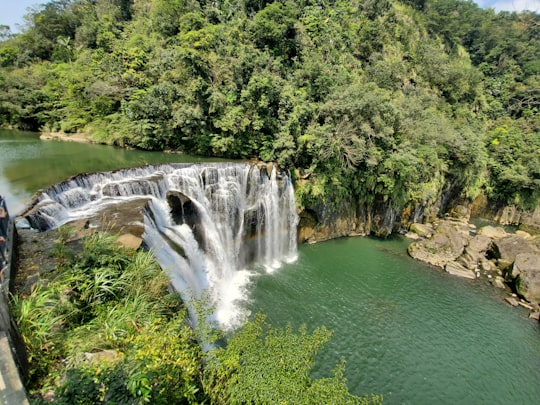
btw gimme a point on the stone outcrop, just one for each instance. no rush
(457, 269)
(492, 252)
(475, 252)
(423, 230)
(506, 249)
(446, 245)
(121, 218)
(320, 223)
(530, 221)
(508, 215)
(493, 232)
(526, 269)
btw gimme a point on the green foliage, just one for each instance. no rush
(374, 100)
(109, 298)
(104, 328)
(514, 162)
(263, 365)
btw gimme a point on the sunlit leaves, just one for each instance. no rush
(264, 365)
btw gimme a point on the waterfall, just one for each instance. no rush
(210, 226)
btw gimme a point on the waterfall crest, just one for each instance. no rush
(208, 225)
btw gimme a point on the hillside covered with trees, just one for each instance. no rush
(382, 100)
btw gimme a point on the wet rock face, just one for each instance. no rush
(319, 222)
(184, 211)
(124, 218)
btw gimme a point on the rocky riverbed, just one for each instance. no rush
(510, 261)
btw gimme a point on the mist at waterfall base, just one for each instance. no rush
(210, 226)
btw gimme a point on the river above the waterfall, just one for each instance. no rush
(407, 331)
(28, 164)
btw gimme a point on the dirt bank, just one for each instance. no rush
(61, 136)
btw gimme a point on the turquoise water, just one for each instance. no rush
(28, 164)
(407, 331)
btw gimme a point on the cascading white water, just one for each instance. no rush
(207, 224)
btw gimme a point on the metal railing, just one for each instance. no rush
(4, 227)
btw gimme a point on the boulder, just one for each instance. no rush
(457, 269)
(413, 236)
(475, 251)
(423, 230)
(498, 282)
(446, 244)
(506, 249)
(527, 268)
(479, 245)
(512, 301)
(525, 305)
(107, 356)
(129, 241)
(486, 265)
(492, 232)
(523, 234)
(460, 212)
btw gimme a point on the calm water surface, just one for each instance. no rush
(407, 331)
(28, 164)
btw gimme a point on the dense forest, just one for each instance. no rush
(373, 100)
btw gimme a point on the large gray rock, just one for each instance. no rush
(475, 251)
(129, 241)
(423, 230)
(492, 232)
(498, 282)
(530, 221)
(457, 269)
(527, 268)
(506, 249)
(509, 215)
(446, 244)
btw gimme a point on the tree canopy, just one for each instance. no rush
(377, 100)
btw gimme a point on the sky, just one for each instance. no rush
(12, 11)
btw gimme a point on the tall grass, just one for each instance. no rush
(40, 324)
(105, 297)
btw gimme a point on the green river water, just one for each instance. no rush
(407, 331)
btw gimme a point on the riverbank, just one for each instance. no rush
(79, 137)
(507, 260)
